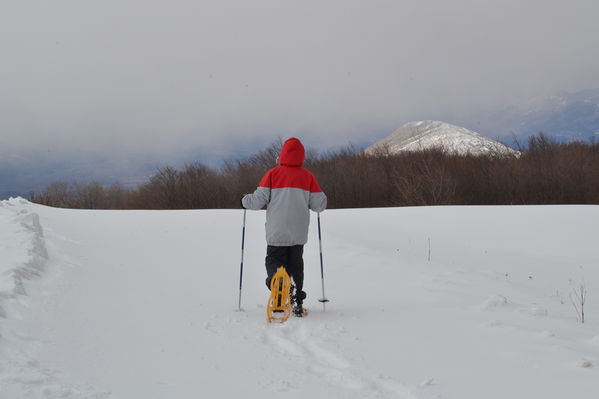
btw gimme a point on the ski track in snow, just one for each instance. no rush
(311, 348)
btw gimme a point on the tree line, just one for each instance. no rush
(547, 172)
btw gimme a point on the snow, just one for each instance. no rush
(143, 304)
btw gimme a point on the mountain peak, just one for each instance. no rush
(426, 135)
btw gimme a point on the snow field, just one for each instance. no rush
(142, 304)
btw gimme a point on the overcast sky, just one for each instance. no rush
(147, 76)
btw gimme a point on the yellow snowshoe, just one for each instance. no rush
(279, 303)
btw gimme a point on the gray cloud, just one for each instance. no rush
(132, 76)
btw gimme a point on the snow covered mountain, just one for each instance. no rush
(424, 135)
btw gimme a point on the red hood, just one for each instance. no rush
(293, 153)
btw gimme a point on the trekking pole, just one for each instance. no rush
(324, 298)
(241, 268)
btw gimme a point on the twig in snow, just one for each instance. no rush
(578, 298)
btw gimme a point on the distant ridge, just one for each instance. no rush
(563, 116)
(426, 135)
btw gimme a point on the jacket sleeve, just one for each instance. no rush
(260, 197)
(318, 200)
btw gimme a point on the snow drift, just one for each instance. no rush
(25, 255)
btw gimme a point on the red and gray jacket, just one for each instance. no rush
(289, 191)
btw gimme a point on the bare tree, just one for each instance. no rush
(578, 298)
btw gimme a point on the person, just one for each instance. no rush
(289, 192)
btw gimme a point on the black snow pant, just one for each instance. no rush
(292, 259)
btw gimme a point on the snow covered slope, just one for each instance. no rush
(419, 136)
(431, 302)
